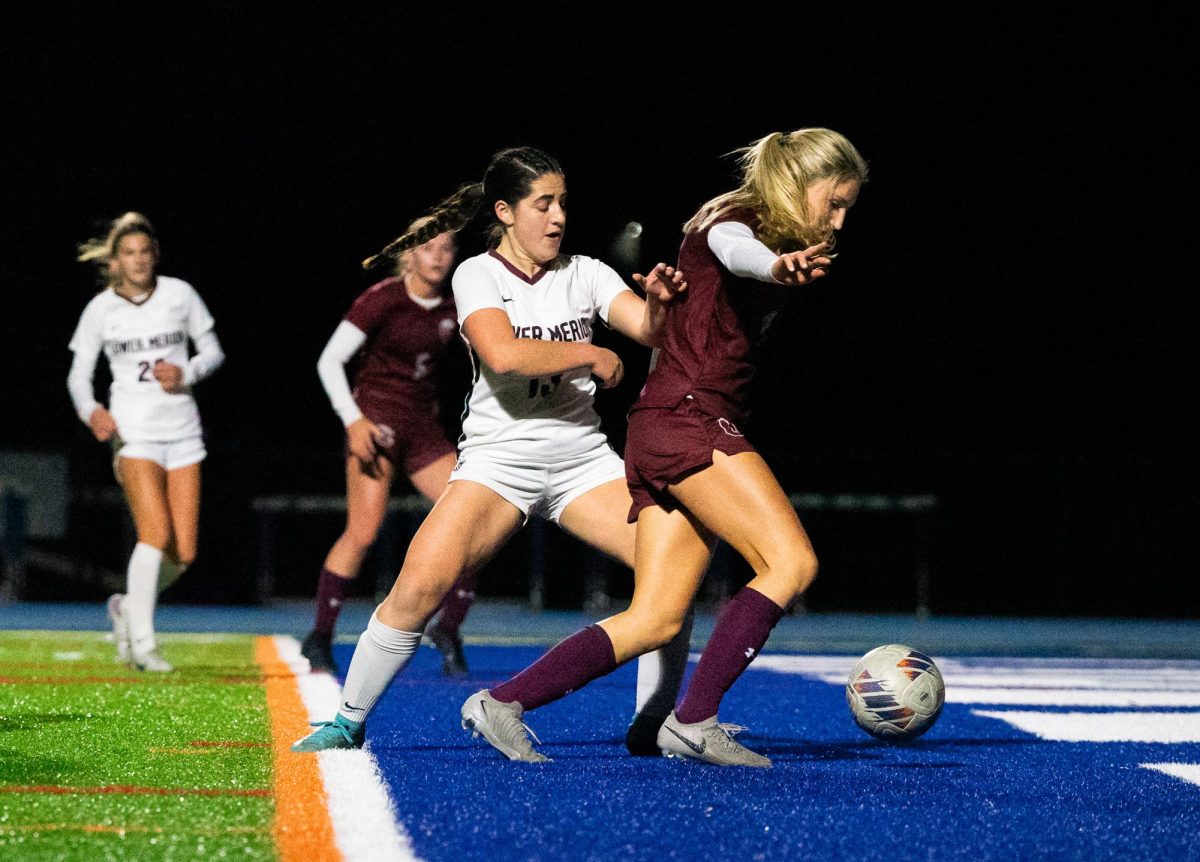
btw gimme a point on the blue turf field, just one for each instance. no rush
(975, 787)
(1017, 767)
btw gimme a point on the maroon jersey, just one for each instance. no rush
(712, 334)
(404, 340)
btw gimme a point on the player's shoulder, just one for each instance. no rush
(101, 300)
(486, 261)
(385, 292)
(173, 287)
(482, 268)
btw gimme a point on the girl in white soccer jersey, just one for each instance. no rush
(531, 442)
(143, 322)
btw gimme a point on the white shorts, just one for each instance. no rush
(544, 489)
(169, 455)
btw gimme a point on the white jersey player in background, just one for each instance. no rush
(143, 322)
(532, 443)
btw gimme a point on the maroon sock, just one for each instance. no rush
(742, 629)
(456, 605)
(331, 591)
(570, 665)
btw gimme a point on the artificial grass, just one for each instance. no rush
(98, 761)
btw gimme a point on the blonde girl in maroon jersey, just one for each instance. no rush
(393, 334)
(692, 476)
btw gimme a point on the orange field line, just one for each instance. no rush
(302, 829)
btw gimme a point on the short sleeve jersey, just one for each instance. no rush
(404, 340)
(713, 333)
(549, 418)
(133, 336)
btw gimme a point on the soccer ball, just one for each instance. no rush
(895, 693)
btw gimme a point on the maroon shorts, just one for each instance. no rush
(663, 446)
(419, 437)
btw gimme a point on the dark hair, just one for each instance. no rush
(509, 177)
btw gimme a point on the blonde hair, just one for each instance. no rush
(101, 250)
(776, 172)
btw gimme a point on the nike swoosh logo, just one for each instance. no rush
(346, 705)
(699, 749)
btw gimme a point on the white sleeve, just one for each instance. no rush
(209, 354)
(607, 286)
(475, 288)
(85, 344)
(331, 367)
(740, 251)
(208, 358)
(79, 384)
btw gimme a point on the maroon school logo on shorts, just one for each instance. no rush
(729, 428)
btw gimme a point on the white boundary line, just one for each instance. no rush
(365, 825)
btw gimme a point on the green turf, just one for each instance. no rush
(70, 717)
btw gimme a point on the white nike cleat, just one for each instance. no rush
(709, 741)
(500, 724)
(150, 660)
(120, 626)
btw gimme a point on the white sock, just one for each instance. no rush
(169, 571)
(382, 652)
(141, 593)
(660, 673)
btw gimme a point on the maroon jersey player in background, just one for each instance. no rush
(395, 332)
(692, 475)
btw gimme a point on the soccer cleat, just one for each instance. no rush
(120, 626)
(641, 739)
(150, 660)
(500, 724)
(454, 662)
(339, 733)
(318, 649)
(709, 741)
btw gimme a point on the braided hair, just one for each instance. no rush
(509, 177)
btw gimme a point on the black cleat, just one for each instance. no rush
(641, 739)
(454, 663)
(318, 649)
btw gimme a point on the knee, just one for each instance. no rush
(794, 568)
(155, 537)
(359, 537)
(804, 569)
(654, 630)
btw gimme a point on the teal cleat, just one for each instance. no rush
(339, 733)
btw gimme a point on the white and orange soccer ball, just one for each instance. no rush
(895, 693)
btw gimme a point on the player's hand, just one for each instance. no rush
(608, 367)
(802, 267)
(102, 424)
(169, 377)
(361, 437)
(664, 282)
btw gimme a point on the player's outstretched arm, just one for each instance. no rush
(643, 320)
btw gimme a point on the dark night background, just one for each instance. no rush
(1009, 326)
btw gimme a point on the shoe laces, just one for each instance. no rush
(725, 737)
(509, 715)
(340, 728)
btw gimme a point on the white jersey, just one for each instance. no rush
(133, 336)
(548, 418)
